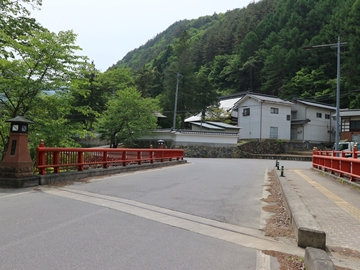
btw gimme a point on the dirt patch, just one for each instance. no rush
(286, 261)
(279, 225)
(345, 252)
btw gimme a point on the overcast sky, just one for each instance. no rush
(108, 29)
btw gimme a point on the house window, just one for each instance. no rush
(274, 110)
(273, 132)
(288, 118)
(355, 125)
(345, 125)
(294, 115)
(327, 116)
(318, 115)
(246, 111)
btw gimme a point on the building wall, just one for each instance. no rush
(259, 123)
(194, 138)
(347, 131)
(249, 124)
(319, 129)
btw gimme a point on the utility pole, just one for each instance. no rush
(337, 45)
(178, 75)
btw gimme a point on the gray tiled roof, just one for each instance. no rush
(223, 125)
(205, 125)
(349, 112)
(315, 104)
(271, 99)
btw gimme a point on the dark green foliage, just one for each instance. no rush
(257, 48)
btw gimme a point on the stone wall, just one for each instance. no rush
(246, 150)
(269, 149)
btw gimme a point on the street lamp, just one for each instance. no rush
(338, 45)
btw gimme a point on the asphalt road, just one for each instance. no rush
(201, 215)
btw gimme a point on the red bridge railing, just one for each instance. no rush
(338, 162)
(52, 159)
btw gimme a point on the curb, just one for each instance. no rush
(307, 231)
(317, 259)
(64, 177)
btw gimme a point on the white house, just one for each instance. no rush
(312, 122)
(264, 117)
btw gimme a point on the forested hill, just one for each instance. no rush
(220, 33)
(258, 48)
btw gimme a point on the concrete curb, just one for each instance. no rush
(49, 179)
(317, 259)
(53, 178)
(307, 231)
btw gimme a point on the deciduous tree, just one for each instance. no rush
(128, 116)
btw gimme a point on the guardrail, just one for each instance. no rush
(56, 160)
(338, 162)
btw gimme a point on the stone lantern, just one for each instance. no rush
(16, 168)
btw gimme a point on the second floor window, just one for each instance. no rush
(246, 111)
(274, 110)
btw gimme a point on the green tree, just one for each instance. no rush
(51, 121)
(128, 117)
(195, 92)
(15, 22)
(215, 113)
(89, 100)
(44, 61)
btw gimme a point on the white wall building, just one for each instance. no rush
(312, 122)
(264, 117)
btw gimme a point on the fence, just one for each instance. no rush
(52, 159)
(338, 162)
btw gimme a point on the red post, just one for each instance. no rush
(124, 157)
(151, 155)
(105, 164)
(315, 160)
(56, 161)
(80, 161)
(41, 157)
(139, 157)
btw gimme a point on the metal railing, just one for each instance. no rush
(338, 162)
(56, 160)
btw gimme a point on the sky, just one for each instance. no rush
(108, 29)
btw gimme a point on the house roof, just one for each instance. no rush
(228, 104)
(350, 112)
(265, 98)
(223, 125)
(314, 104)
(159, 115)
(225, 104)
(206, 125)
(300, 122)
